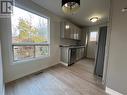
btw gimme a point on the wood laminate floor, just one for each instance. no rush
(77, 79)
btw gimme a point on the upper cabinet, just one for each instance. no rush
(70, 31)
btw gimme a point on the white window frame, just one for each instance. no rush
(31, 44)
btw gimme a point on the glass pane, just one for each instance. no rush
(41, 51)
(23, 52)
(28, 27)
(93, 36)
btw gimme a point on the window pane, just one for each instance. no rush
(41, 51)
(28, 31)
(93, 36)
(23, 52)
(28, 27)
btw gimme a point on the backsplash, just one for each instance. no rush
(68, 42)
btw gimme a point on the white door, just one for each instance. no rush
(92, 44)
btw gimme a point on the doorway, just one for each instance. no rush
(96, 44)
(92, 44)
(99, 66)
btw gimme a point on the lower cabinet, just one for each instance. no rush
(80, 53)
(71, 55)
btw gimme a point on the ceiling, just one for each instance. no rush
(88, 9)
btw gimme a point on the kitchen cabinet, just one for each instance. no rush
(80, 53)
(71, 54)
(70, 31)
(68, 56)
(77, 54)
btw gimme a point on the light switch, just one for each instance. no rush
(124, 10)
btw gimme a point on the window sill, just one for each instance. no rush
(30, 60)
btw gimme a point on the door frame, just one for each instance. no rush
(107, 47)
(106, 56)
(98, 45)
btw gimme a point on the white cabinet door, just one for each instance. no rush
(66, 30)
(79, 34)
(75, 34)
(82, 52)
(79, 53)
(70, 31)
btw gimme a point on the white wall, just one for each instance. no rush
(1, 75)
(15, 71)
(117, 63)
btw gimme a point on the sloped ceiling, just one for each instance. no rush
(88, 9)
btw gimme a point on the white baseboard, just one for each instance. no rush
(66, 64)
(112, 92)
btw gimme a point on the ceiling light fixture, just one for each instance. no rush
(70, 6)
(94, 19)
(67, 26)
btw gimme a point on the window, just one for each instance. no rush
(30, 35)
(93, 36)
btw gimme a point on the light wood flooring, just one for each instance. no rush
(77, 79)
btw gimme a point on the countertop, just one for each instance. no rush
(72, 46)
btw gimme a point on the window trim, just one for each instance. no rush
(30, 60)
(31, 44)
(34, 45)
(31, 10)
